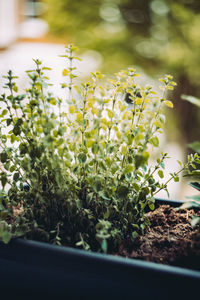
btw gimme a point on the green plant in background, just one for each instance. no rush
(159, 36)
(77, 172)
(195, 173)
(193, 100)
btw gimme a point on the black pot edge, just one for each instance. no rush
(171, 202)
(92, 257)
(27, 245)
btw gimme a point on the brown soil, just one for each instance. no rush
(169, 240)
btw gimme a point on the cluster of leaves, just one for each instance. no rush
(194, 174)
(77, 172)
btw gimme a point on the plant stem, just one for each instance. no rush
(166, 183)
(140, 111)
(70, 74)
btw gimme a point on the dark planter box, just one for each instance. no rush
(33, 270)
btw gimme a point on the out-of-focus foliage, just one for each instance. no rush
(194, 175)
(152, 33)
(97, 25)
(157, 35)
(191, 99)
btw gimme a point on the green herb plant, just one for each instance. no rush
(80, 176)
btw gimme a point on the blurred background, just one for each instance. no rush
(156, 37)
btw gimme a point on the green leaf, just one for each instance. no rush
(72, 109)
(114, 168)
(128, 169)
(3, 179)
(138, 160)
(134, 235)
(15, 88)
(162, 165)
(104, 246)
(4, 112)
(73, 48)
(154, 141)
(194, 175)
(107, 214)
(80, 243)
(37, 61)
(122, 191)
(191, 99)
(176, 178)
(160, 173)
(12, 168)
(33, 102)
(82, 157)
(3, 157)
(8, 122)
(152, 206)
(180, 163)
(52, 101)
(195, 197)
(6, 237)
(136, 187)
(16, 130)
(195, 185)
(16, 176)
(20, 97)
(130, 138)
(195, 221)
(162, 118)
(169, 103)
(63, 85)
(104, 195)
(46, 68)
(97, 185)
(195, 146)
(95, 148)
(65, 72)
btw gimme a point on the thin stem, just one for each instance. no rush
(166, 183)
(70, 73)
(113, 106)
(140, 111)
(84, 113)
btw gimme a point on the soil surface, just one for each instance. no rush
(169, 240)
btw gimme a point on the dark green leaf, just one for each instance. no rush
(8, 121)
(82, 157)
(134, 235)
(97, 185)
(3, 157)
(195, 185)
(16, 176)
(3, 179)
(122, 191)
(16, 130)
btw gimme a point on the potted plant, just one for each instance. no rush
(82, 178)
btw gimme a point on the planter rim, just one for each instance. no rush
(112, 259)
